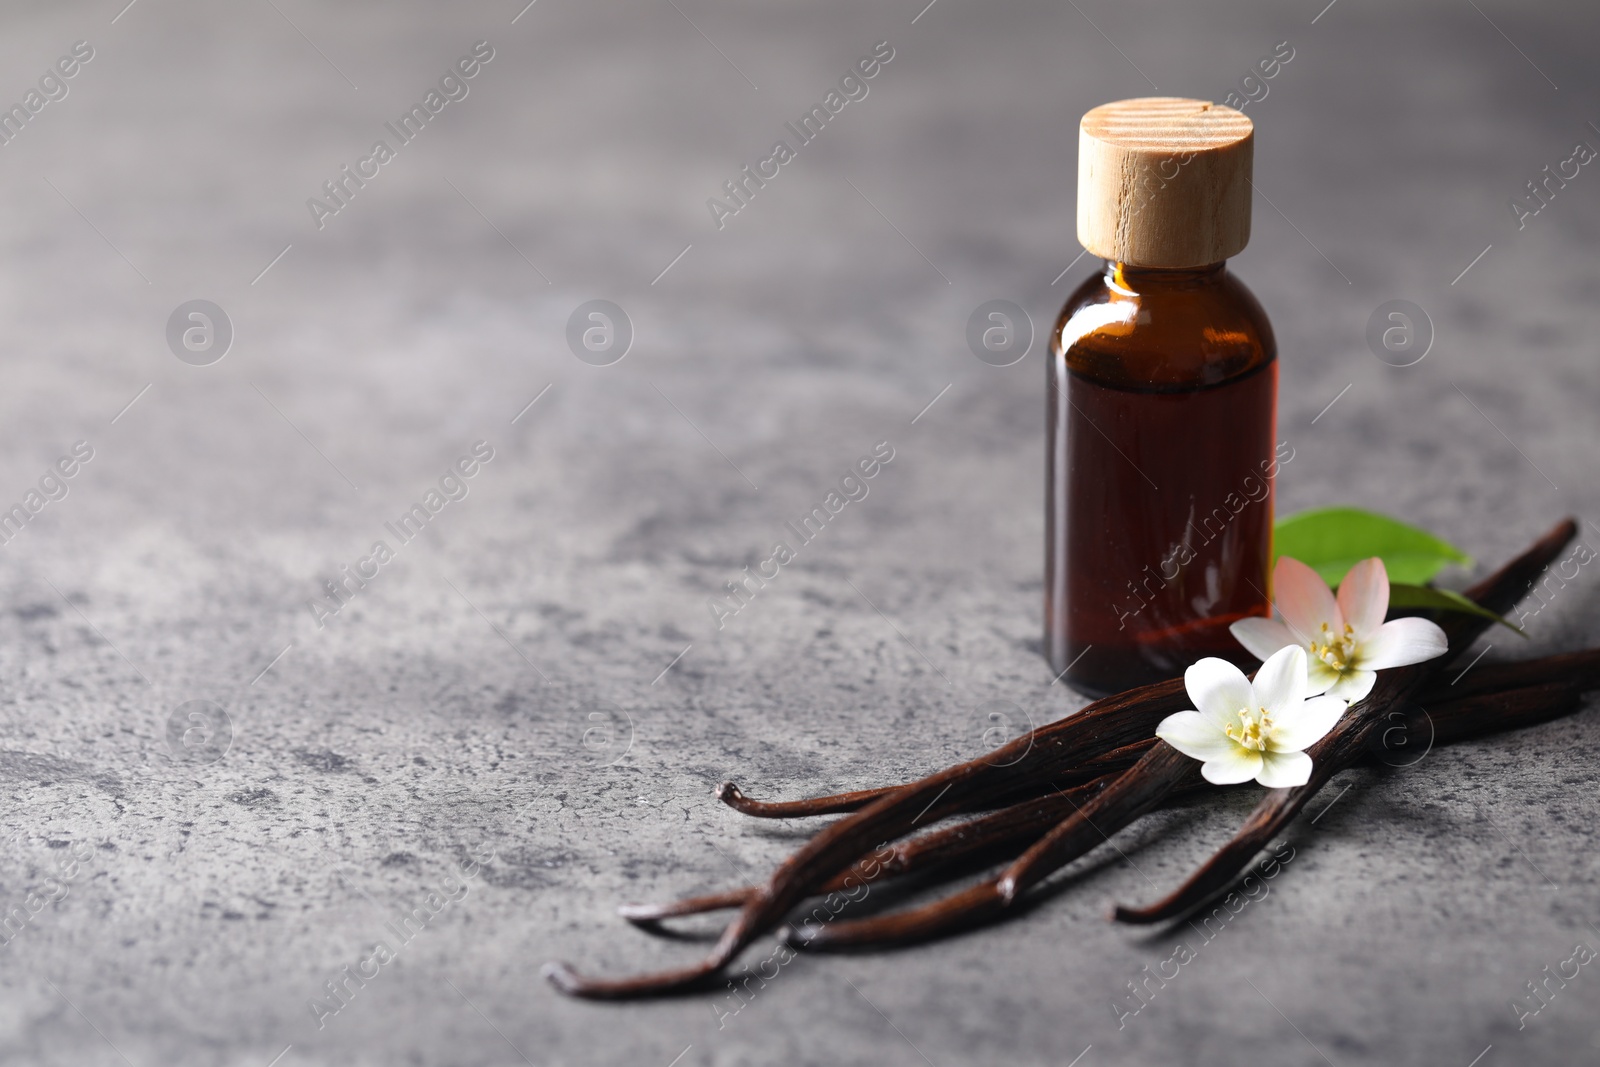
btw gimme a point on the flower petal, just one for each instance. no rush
(1364, 597)
(1353, 684)
(1400, 642)
(1280, 684)
(1281, 770)
(1239, 765)
(1305, 726)
(1218, 689)
(1319, 676)
(1262, 637)
(1195, 736)
(1304, 600)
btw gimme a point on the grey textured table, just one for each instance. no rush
(537, 678)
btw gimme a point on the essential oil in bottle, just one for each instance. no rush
(1162, 406)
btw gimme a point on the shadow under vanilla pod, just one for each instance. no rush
(1142, 992)
(1055, 793)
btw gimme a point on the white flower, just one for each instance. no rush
(1346, 638)
(1246, 729)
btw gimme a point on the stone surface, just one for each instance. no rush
(538, 678)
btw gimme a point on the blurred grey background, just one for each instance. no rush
(538, 677)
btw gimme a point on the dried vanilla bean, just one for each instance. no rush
(1471, 716)
(1349, 739)
(1007, 826)
(1039, 759)
(1101, 727)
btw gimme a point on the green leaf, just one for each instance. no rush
(1332, 540)
(1403, 595)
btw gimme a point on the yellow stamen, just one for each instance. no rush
(1336, 651)
(1253, 731)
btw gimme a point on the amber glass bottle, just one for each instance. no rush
(1162, 385)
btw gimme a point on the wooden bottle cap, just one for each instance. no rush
(1164, 181)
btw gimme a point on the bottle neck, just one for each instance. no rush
(1130, 279)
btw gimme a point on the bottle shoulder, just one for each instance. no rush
(1182, 333)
